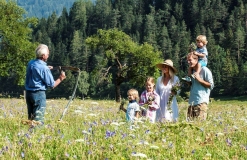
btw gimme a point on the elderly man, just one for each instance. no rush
(201, 87)
(38, 79)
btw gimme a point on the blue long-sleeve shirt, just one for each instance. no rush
(38, 76)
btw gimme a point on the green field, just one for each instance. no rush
(96, 130)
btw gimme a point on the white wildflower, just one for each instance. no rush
(94, 103)
(115, 123)
(85, 132)
(139, 155)
(79, 140)
(78, 111)
(154, 147)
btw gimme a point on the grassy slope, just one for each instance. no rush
(96, 130)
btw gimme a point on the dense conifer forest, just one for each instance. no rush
(169, 26)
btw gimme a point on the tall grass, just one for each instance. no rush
(96, 130)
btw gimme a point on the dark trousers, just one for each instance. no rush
(36, 105)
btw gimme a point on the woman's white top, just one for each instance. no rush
(164, 92)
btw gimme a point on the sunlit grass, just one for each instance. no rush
(96, 130)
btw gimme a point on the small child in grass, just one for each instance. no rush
(133, 108)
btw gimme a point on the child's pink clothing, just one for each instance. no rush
(151, 110)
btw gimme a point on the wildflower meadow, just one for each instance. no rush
(97, 130)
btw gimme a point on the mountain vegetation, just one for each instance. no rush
(167, 27)
(44, 8)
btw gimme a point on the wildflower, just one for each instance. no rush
(124, 135)
(69, 142)
(174, 90)
(22, 154)
(66, 154)
(193, 151)
(219, 134)
(134, 154)
(151, 98)
(147, 131)
(78, 111)
(109, 134)
(170, 145)
(154, 147)
(85, 132)
(92, 114)
(143, 142)
(208, 155)
(115, 123)
(79, 140)
(27, 135)
(111, 146)
(229, 142)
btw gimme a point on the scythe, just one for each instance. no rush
(74, 69)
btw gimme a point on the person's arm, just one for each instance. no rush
(206, 83)
(137, 111)
(201, 55)
(60, 79)
(142, 99)
(122, 107)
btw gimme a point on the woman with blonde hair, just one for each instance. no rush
(164, 85)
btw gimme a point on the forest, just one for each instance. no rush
(161, 29)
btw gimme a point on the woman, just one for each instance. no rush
(164, 85)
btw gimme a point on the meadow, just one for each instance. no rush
(96, 130)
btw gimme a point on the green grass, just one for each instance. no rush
(96, 130)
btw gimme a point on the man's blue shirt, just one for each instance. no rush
(38, 76)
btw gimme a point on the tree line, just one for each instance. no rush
(160, 28)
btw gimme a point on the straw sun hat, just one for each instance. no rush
(167, 62)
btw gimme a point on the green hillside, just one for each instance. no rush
(44, 8)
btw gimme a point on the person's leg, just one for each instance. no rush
(197, 69)
(203, 111)
(30, 105)
(39, 106)
(189, 113)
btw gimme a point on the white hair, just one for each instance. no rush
(41, 50)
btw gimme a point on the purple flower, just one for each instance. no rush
(109, 134)
(170, 145)
(27, 135)
(229, 142)
(124, 135)
(66, 154)
(193, 151)
(147, 131)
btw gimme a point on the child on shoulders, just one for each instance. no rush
(202, 53)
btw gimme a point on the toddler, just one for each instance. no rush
(133, 108)
(202, 53)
